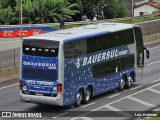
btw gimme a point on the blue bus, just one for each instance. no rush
(71, 66)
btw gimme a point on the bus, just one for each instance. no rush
(69, 67)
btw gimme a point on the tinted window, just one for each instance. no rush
(41, 48)
(125, 63)
(111, 40)
(75, 49)
(108, 68)
(104, 69)
(98, 43)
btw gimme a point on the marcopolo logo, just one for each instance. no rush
(100, 57)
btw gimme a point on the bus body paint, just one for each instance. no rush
(78, 73)
(39, 86)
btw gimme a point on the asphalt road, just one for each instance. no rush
(144, 95)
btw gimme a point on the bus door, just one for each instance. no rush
(140, 53)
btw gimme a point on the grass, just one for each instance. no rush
(138, 20)
(155, 118)
(68, 26)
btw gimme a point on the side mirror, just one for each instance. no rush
(147, 54)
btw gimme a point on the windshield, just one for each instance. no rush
(43, 48)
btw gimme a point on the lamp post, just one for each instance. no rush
(132, 11)
(21, 17)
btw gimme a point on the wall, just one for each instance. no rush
(150, 27)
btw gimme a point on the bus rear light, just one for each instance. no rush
(59, 88)
(20, 84)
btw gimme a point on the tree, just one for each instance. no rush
(28, 11)
(54, 10)
(77, 16)
(6, 15)
(114, 8)
(104, 8)
(90, 8)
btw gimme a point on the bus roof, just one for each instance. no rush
(82, 32)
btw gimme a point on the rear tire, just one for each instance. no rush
(122, 84)
(87, 95)
(129, 82)
(78, 99)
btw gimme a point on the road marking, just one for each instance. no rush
(88, 105)
(126, 97)
(75, 118)
(153, 90)
(86, 118)
(60, 115)
(154, 48)
(116, 101)
(153, 63)
(113, 95)
(141, 101)
(9, 86)
(155, 81)
(117, 110)
(136, 87)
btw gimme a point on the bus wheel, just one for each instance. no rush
(129, 82)
(87, 95)
(78, 99)
(122, 84)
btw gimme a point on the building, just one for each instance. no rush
(146, 7)
(129, 5)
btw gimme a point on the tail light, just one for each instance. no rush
(59, 88)
(20, 84)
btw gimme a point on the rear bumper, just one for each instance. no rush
(42, 99)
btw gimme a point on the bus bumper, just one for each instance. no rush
(42, 99)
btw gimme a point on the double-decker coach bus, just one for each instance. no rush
(71, 66)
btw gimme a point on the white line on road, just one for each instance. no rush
(153, 90)
(155, 81)
(116, 101)
(136, 87)
(113, 95)
(126, 97)
(61, 114)
(86, 118)
(153, 63)
(117, 110)
(141, 101)
(9, 86)
(154, 48)
(88, 105)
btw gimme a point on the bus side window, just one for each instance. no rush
(75, 49)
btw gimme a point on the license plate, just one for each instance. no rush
(39, 94)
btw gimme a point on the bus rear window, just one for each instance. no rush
(43, 48)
